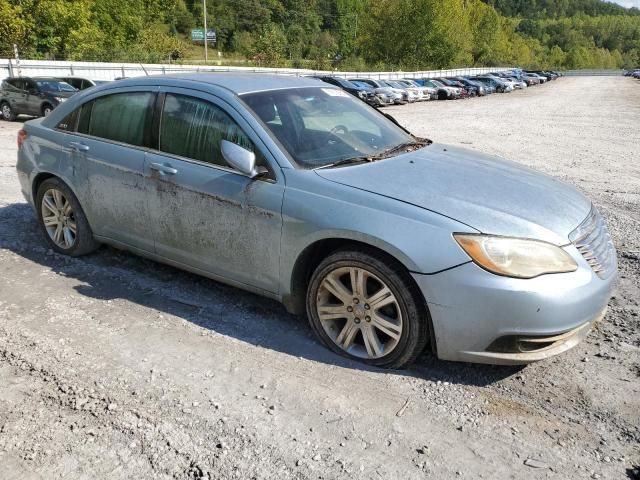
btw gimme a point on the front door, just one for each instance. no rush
(32, 98)
(204, 213)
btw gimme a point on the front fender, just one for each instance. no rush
(316, 209)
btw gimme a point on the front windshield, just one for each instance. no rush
(54, 86)
(321, 126)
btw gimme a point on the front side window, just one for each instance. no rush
(121, 117)
(193, 128)
(322, 126)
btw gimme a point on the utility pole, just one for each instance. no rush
(15, 53)
(204, 12)
(355, 32)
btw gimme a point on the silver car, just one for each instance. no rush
(294, 189)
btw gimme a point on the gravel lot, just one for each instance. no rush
(116, 367)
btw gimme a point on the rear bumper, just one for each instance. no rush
(481, 317)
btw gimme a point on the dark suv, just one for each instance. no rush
(35, 96)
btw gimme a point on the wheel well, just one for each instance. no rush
(45, 105)
(41, 177)
(311, 257)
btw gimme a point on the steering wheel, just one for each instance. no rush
(339, 130)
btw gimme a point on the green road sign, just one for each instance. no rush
(197, 34)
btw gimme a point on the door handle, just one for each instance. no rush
(80, 147)
(163, 169)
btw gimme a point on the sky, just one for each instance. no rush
(628, 3)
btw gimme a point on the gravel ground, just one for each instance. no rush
(112, 366)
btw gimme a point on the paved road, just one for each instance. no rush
(116, 367)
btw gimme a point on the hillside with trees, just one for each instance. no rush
(325, 34)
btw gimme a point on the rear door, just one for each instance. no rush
(204, 213)
(17, 95)
(108, 146)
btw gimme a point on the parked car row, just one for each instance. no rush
(38, 96)
(633, 73)
(380, 93)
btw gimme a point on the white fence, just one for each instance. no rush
(593, 73)
(111, 71)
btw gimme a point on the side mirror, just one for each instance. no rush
(239, 158)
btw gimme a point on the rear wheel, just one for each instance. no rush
(62, 219)
(46, 110)
(7, 112)
(365, 307)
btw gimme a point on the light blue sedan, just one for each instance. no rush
(294, 189)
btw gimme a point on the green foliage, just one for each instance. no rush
(269, 47)
(12, 27)
(325, 34)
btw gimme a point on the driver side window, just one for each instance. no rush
(193, 128)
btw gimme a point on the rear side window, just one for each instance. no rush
(16, 83)
(122, 117)
(84, 116)
(193, 128)
(68, 124)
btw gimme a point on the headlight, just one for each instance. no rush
(515, 257)
(60, 99)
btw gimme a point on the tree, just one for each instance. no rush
(269, 47)
(12, 27)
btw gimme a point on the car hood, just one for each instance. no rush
(486, 193)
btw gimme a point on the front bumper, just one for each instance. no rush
(485, 318)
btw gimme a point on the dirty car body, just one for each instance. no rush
(320, 188)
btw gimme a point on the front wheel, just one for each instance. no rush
(364, 306)
(46, 110)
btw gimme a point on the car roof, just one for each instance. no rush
(239, 83)
(48, 79)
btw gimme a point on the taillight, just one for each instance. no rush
(22, 136)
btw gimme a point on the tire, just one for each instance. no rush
(63, 212)
(46, 110)
(400, 323)
(7, 112)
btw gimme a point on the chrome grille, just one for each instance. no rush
(593, 241)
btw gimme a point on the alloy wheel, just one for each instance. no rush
(6, 111)
(359, 312)
(58, 218)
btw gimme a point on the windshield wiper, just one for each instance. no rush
(345, 161)
(406, 146)
(403, 147)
